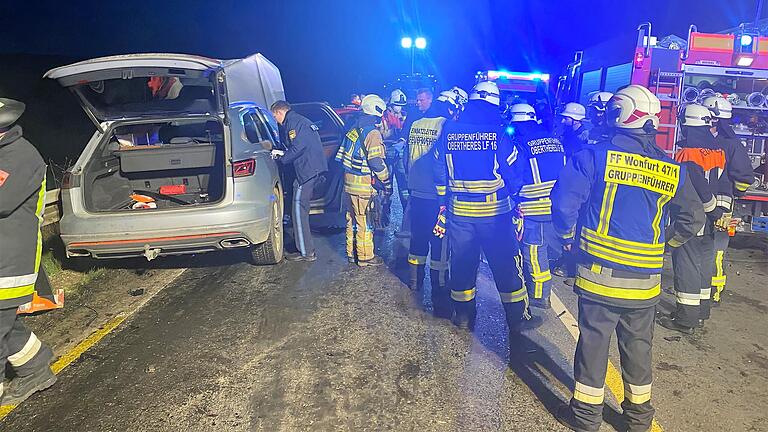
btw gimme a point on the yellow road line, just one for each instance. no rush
(75, 353)
(613, 376)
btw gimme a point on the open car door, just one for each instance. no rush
(327, 196)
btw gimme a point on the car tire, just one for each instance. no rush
(271, 251)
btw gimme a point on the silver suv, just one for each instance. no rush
(180, 162)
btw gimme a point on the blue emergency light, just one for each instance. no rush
(525, 76)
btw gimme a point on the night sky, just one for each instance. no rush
(326, 49)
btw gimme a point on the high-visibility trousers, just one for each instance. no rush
(692, 264)
(359, 231)
(20, 347)
(498, 241)
(719, 278)
(537, 239)
(634, 331)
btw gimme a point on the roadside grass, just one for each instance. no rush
(62, 273)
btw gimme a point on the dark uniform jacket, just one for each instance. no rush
(22, 203)
(705, 163)
(739, 174)
(305, 150)
(473, 166)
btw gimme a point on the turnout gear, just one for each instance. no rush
(575, 111)
(22, 203)
(537, 160)
(473, 174)
(621, 193)
(522, 113)
(373, 105)
(632, 107)
(362, 155)
(486, 91)
(424, 205)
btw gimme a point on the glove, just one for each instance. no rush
(388, 189)
(517, 221)
(439, 230)
(725, 222)
(277, 154)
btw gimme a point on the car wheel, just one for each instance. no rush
(271, 251)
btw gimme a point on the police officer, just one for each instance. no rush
(621, 193)
(474, 179)
(305, 152)
(365, 175)
(22, 203)
(424, 205)
(693, 262)
(575, 134)
(738, 177)
(537, 162)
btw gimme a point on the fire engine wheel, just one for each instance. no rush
(271, 251)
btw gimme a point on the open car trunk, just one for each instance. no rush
(150, 166)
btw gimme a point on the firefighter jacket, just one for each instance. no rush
(362, 155)
(22, 203)
(305, 150)
(473, 172)
(621, 193)
(705, 163)
(537, 160)
(575, 140)
(420, 149)
(739, 174)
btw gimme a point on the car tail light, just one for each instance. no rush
(244, 168)
(67, 181)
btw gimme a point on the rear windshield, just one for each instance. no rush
(141, 96)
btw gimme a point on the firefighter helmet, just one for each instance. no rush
(461, 96)
(600, 100)
(575, 111)
(397, 98)
(632, 107)
(696, 115)
(449, 97)
(486, 91)
(719, 106)
(374, 105)
(522, 113)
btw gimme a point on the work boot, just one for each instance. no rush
(298, 257)
(463, 318)
(672, 323)
(566, 418)
(21, 388)
(542, 303)
(416, 281)
(351, 260)
(375, 261)
(441, 301)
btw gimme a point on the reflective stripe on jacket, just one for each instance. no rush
(422, 136)
(362, 155)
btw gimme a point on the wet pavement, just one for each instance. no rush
(327, 346)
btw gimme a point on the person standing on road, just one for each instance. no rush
(575, 135)
(621, 194)
(537, 162)
(305, 153)
(738, 177)
(474, 180)
(22, 203)
(420, 149)
(394, 119)
(600, 130)
(365, 175)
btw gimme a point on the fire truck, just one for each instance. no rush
(681, 71)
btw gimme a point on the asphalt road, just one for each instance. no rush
(329, 346)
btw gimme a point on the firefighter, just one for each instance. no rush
(365, 175)
(538, 160)
(22, 203)
(474, 178)
(394, 119)
(738, 177)
(575, 134)
(424, 206)
(621, 195)
(461, 96)
(693, 262)
(305, 153)
(596, 114)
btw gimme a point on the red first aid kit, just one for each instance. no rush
(173, 189)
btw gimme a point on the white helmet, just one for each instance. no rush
(633, 106)
(373, 105)
(719, 106)
(486, 91)
(397, 98)
(522, 113)
(461, 96)
(450, 97)
(574, 110)
(696, 115)
(600, 100)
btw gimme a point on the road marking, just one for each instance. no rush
(612, 376)
(78, 350)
